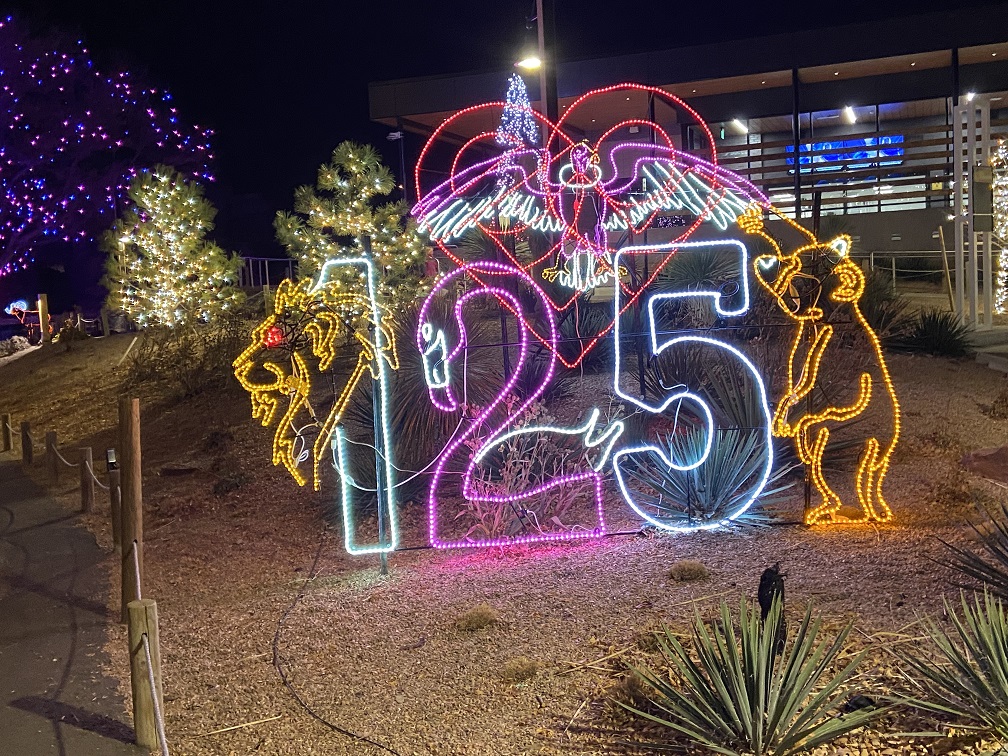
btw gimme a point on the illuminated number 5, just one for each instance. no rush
(660, 474)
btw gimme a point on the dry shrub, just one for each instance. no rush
(189, 360)
(688, 571)
(628, 691)
(519, 669)
(952, 489)
(479, 617)
(999, 409)
(942, 441)
(647, 641)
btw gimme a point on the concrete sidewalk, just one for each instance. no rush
(53, 621)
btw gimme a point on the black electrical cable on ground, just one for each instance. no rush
(277, 660)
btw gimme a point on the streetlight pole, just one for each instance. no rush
(546, 24)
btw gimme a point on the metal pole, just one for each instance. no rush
(796, 136)
(379, 436)
(506, 358)
(402, 159)
(958, 208)
(974, 271)
(988, 250)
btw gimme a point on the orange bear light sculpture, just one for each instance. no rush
(812, 340)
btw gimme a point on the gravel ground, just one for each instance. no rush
(382, 657)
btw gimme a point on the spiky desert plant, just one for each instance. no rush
(734, 695)
(715, 489)
(937, 332)
(966, 671)
(989, 565)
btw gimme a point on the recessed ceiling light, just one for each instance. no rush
(836, 73)
(849, 114)
(628, 99)
(970, 96)
(593, 120)
(694, 91)
(914, 63)
(762, 82)
(737, 123)
(993, 55)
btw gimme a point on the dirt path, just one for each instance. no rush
(53, 622)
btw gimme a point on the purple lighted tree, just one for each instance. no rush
(74, 138)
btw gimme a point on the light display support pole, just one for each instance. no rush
(796, 134)
(379, 437)
(546, 26)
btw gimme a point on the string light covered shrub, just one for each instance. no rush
(161, 269)
(74, 137)
(330, 219)
(999, 161)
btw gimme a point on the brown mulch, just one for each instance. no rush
(381, 657)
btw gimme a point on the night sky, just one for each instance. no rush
(282, 83)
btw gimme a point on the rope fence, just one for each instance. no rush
(63, 459)
(124, 487)
(158, 718)
(94, 477)
(136, 569)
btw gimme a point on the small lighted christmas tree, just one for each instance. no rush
(518, 126)
(330, 220)
(517, 129)
(161, 269)
(999, 161)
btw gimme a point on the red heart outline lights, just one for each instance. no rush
(560, 212)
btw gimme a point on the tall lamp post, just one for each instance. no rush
(398, 136)
(545, 63)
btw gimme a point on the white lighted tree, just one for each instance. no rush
(161, 269)
(999, 161)
(331, 219)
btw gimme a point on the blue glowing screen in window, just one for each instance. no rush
(849, 153)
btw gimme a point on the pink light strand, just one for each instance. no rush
(493, 269)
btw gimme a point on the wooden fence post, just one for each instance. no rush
(143, 620)
(104, 322)
(43, 315)
(86, 480)
(50, 450)
(5, 431)
(132, 499)
(27, 453)
(115, 505)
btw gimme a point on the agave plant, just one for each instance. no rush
(735, 695)
(715, 489)
(966, 672)
(884, 309)
(991, 568)
(937, 332)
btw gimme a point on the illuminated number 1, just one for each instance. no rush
(659, 474)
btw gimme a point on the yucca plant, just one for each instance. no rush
(937, 332)
(734, 695)
(884, 309)
(713, 491)
(966, 671)
(990, 568)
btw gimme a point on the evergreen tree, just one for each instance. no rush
(330, 220)
(161, 270)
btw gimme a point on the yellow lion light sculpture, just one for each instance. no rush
(311, 322)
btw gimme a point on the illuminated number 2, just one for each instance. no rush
(663, 472)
